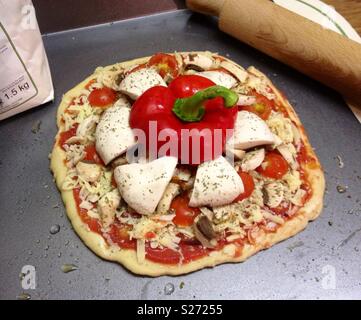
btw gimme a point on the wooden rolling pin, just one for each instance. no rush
(304, 45)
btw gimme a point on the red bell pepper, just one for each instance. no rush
(188, 112)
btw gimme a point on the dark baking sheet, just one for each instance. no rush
(301, 267)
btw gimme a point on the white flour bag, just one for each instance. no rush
(25, 80)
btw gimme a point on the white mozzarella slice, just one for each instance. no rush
(113, 134)
(136, 83)
(142, 185)
(217, 183)
(250, 131)
(219, 78)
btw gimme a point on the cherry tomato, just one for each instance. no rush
(262, 107)
(139, 67)
(150, 235)
(102, 97)
(184, 214)
(92, 155)
(188, 85)
(165, 64)
(273, 166)
(248, 186)
(64, 136)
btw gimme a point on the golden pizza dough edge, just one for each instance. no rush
(128, 258)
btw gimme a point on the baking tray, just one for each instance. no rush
(321, 262)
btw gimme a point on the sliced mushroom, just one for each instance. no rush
(259, 83)
(107, 206)
(289, 153)
(142, 185)
(273, 194)
(237, 71)
(244, 100)
(252, 160)
(236, 153)
(207, 212)
(108, 78)
(169, 194)
(217, 183)
(190, 72)
(137, 82)
(122, 101)
(250, 131)
(113, 133)
(277, 141)
(118, 161)
(187, 185)
(87, 127)
(204, 232)
(219, 78)
(90, 172)
(198, 62)
(75, 140)
(118, 79)
(182, 174)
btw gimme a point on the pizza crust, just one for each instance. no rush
(128, 258)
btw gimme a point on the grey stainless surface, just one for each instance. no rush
(321, 262)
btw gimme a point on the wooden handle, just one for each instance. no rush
(302, 44)
(209, 7)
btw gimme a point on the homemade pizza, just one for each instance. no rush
(176, 162)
